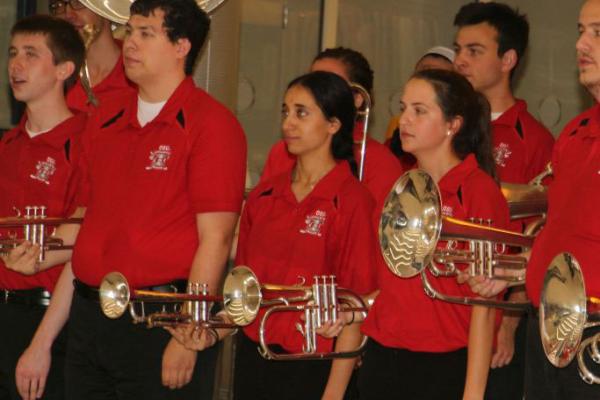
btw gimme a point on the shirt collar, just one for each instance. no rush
(451, 182)
(327, 188)
(56, 136)
(592, 128)
(510, 116)
(173, 106)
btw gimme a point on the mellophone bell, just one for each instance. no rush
(565, 312)
(411, 227)
(242, 298)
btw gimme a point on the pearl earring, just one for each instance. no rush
(449, 133)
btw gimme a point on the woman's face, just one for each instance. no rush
(304, 127)
(423, 127)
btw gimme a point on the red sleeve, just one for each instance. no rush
(83, 154)
(355, 260)
(485, 200)
(217, 163)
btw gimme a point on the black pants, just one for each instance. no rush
(389, 373)
(543, 381)
(116, 359)
(259, 379)
(19, 323)
(507, 383)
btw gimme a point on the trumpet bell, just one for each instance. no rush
(242, 295)
(563, 310)
(410, 224)
(114, 295)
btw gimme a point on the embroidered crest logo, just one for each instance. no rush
(501, 153)
(158, 158)
(44, 170)
(314, 222)
(447, 211)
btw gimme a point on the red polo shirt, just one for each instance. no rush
(381, 170)
(522, 145)
(403, 316)
(38, 171)
(145, 186)
(109, 91)
(328, 232)
(573, 220)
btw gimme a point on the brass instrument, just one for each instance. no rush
(193, 307)
(35, 226)
(565, 312)
(117, 11)
(530, 200)
(363, 114)
(89, 33)
(320, 303)
(412, 224)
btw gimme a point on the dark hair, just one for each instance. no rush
(512, 27)
(334, 98)
(456, 98)
(62, 39)
(357, 66)
(183, 19)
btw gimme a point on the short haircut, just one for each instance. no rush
(183, 19)
(62, 39)
(357, 67)
(512, 27)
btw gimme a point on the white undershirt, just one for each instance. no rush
(148, 111)
(496, 115)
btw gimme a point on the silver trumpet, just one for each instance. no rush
(321, 302)
(37, 228)
(192, 307)
(565, 312)
(412, 224)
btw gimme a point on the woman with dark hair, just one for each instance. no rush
(313, 219)
(381, 168)
(420, 347)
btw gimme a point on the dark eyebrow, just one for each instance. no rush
(140, 27)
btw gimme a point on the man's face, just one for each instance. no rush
(31, 70)
(78, 15)
(148, 54)
(588, 44)
(477, 57)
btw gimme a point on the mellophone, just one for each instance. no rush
(411, 226)
(36, 227)
(243, 297)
